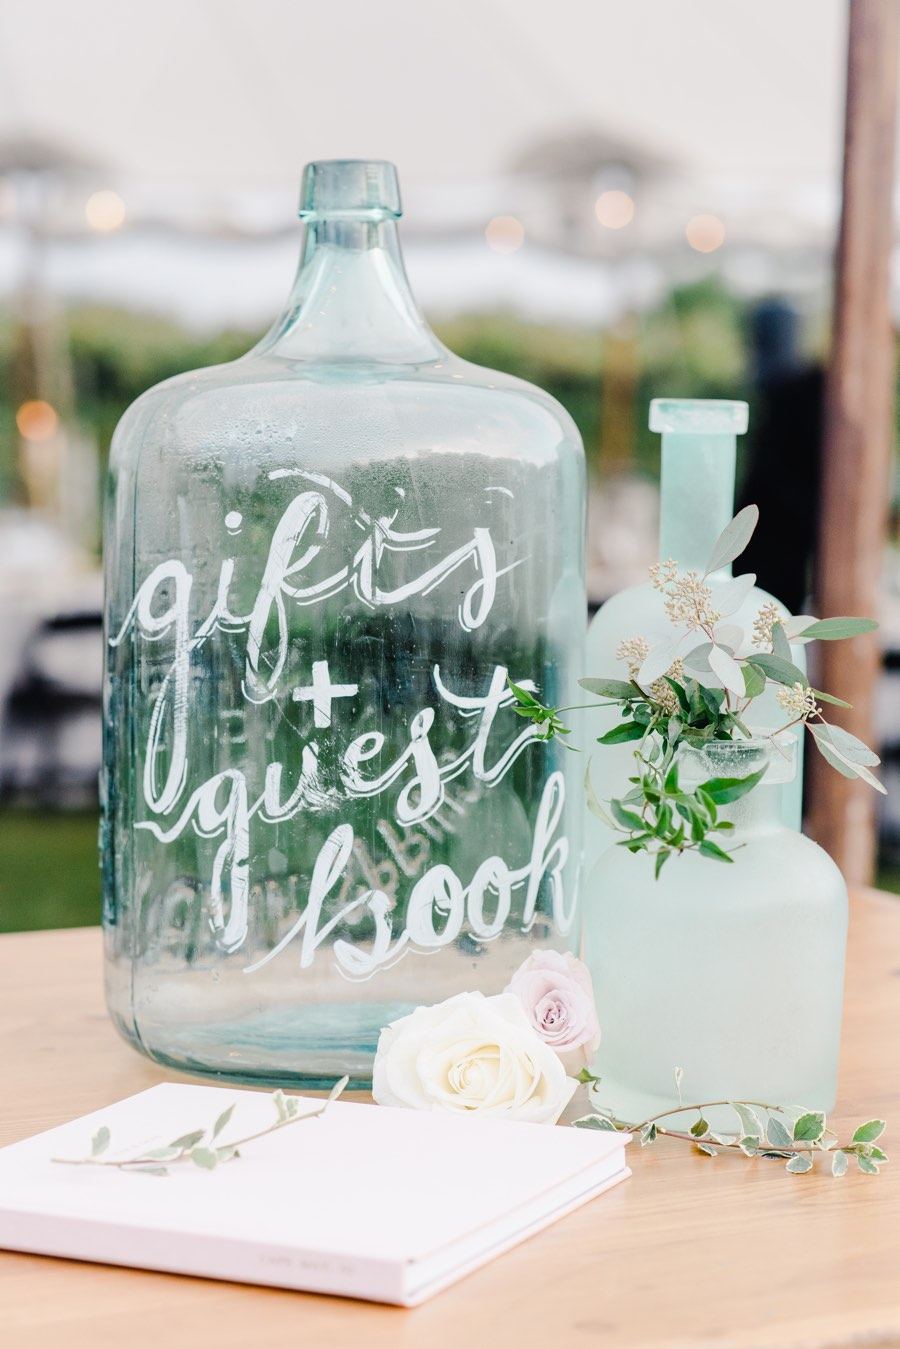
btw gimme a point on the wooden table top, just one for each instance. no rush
(692, 1251)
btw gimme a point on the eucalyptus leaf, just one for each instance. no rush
(795, 626)
(207, 1158)
(866, 1165)
(187, 1141)
(733, 539)
(726, 667)
(608, 688)
(754, 680)
(100, 1141)
(842, 764)
(831, 756)
(729, 596)
(839, 1163)
(799, 1163)
(781, 670)
(749, 1145)
(780, 644)
(658, 662)
(730, 636)
(698, 658)
(830, 698)
(836, 629)
(223, 1120)
(848, 746)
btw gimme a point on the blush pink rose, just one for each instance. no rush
(557, 995)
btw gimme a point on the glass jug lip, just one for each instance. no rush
(699, 416)
(358, 189)
(774, 752)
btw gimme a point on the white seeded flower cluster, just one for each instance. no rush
(765, 620)
(634, 651)
(688, 599)
(799, 701)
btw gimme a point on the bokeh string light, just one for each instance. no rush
(105, 211)
(705, 233)
(614, 209)
(505, 234)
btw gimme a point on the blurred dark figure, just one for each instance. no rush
(784, 450)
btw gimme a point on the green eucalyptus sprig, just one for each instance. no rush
(666, 704)
(201, 1146)
(774, 1132)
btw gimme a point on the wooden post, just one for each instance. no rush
(858, 423)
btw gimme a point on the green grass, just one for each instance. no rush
(888, 878)
(48, 870)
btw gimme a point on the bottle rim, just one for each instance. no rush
(699, 416)
(359, 189)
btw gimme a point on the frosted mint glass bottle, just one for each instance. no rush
(699, 440)
(322, 560)
(733, 973)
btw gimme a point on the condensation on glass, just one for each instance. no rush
(322, 562)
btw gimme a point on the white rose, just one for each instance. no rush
(474, 1055)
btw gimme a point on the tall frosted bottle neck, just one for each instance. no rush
(699, 452)
(351, 301)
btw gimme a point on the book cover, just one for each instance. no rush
(363, 1201)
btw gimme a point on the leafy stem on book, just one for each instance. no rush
(201, 1146)
(776, 1132)
(664, 704)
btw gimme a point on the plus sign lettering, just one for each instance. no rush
(318, 721)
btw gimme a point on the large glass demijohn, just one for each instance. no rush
(322, 562)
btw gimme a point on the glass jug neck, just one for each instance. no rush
(696, 496)
(351, 301)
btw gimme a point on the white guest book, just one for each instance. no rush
(365, 1201)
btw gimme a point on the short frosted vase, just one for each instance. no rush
(731, 972)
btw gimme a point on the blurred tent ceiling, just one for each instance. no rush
(230, 93)
(201, 113)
